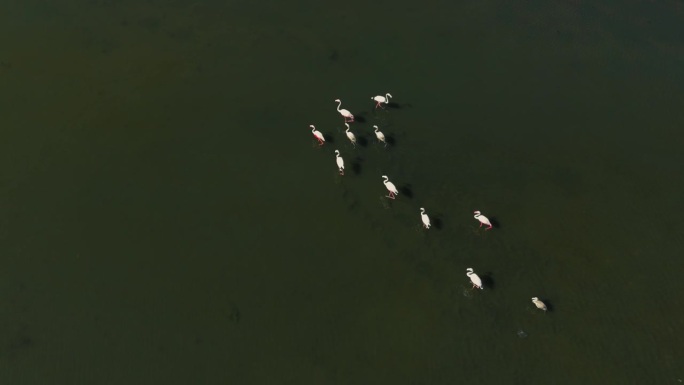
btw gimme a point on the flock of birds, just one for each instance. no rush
(392, 189)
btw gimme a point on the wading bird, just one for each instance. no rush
(539, 304)
(424, 218)
(317, 134)
(477, 282)
(390, 187)
(340, 162)
(348, 117)
(350, 135)
(483, 220)
(380, 135)
(381, 99)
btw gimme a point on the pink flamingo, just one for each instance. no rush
(317, 134)
(348, 117)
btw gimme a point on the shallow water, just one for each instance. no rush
(167, 216)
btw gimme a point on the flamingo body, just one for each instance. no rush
(350, 135)
(317, 134)
(380, 135)
(390, 187)
(424, 217)
(340, 162)
(483, 220)
(381, 99)
(474, 278)
(348, 117)
(539, 304)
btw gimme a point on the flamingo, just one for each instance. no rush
(340, 162)
(390, 187)
(345, 113)
(483, 220)
(425, 218)
(477, 282)
(380, 135)
(350, 135)
(381, 99)
(317, 134)
(539, 304)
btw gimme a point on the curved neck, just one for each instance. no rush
(387, 96)
(339, 104)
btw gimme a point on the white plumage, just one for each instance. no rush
(340, 162)
(350, 135)
(381, 99)
(483, 220)
(348, 117)
(379, 135)
(424, 217)
(317, 134)
(474, 278)
(390, 187)
(539, 304)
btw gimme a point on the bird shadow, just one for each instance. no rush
(362, 141)
(495, 223)
(437, 222)
(356, 166)
(394, 106)
(549, 305)
(360, 119)
(406, 190)
(487, 280)
(391, 140)
(328, 138)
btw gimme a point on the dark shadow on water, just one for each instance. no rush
(328, 138)
(437, 222)
(359, 119)
(394, 106)
(391, 141)
(487, 280)
(495, 222)
(549, 305)
(362, 141)
(406, 191)
(356, 166)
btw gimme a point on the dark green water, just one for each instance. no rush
(167, 218)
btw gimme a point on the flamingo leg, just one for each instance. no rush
(341, 172)
(480, 224)
(488, 228)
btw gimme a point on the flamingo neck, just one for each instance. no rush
(339, 104)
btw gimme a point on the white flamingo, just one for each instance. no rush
(539, 304)
(348, 117)
(483, 220)
(477, 282)
(350, 135)
(340, 162)
(381, 99)
(317, 134)
(390, 187)
(380, 135)
(424, 218)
